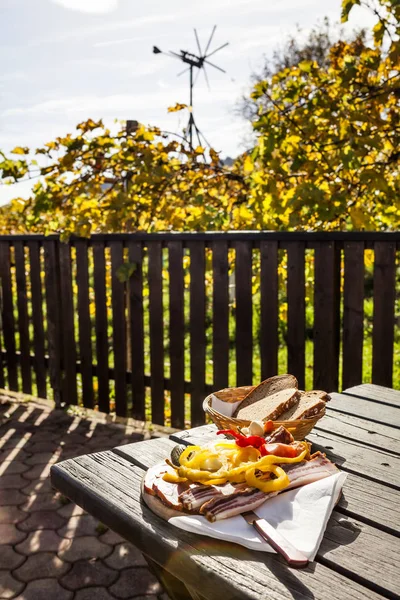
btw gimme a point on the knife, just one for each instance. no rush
(293, 557)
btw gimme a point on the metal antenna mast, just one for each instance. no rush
(195, 62)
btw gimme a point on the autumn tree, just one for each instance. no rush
(328, 136)
(325, 155)
(140, 180)
(297, 47)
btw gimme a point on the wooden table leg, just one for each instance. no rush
(174, 587)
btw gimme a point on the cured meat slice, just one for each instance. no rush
(280, 436)
(151, 475)
(169, 492)
(197, 495)
(235, 504)
(309, 471)
(223, 507)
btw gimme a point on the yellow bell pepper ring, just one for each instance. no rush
(248, 454)
(271, 485)
(183, 459)
(271, 459)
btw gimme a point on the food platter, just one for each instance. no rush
(253, 475)
(299, 516)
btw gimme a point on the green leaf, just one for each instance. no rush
(177, 107)
(347, 5)
(305, 65)
(125, 271)
(248, 165)
(379, 32)
(20, 150)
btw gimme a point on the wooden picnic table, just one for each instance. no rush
(358, 557)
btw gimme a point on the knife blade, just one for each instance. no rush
(293, 557)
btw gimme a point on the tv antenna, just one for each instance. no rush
(195, 62)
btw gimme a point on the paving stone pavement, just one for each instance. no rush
(49, 547)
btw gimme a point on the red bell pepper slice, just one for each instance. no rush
(242, 440)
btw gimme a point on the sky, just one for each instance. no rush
(64, 61)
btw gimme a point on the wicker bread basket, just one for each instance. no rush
(299, 429)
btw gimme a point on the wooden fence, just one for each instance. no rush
(123, 318)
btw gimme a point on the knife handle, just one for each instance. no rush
(293, 557)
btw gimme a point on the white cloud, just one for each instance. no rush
(104, 27)
(89, 6)
(16, 190)
(115, 103)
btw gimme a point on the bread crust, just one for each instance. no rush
(308, 405)
(270, 407)
(267, 388)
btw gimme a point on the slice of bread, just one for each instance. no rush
(269, 407)
(226, 394)
(267, 388)
(308, 405)
(321, 394)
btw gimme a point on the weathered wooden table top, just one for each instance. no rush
(358, 557)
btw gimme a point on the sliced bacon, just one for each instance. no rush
(309, 471)
(250, 498)
(238, 502)
(197, 495)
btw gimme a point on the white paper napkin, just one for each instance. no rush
(225, 408)
(300, 515)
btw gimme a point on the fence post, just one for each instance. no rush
(54, 333)
(353, 314)
(69, 382)
(7, 316)
(326, 316)
(384, 311)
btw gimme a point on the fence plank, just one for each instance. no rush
(2, 356)
(2, 351)
(137, 330)
(119, 331)
(176, 334)
(269, 341)
(70, 394)
(197, 332)
(326, 316)
(383, 323)
(244, 306)
(37, 318)
(296, 312)
(52, 284)
(85, 325)
(220, 314)
(7, 316)
(156, 332)
(101, 326)
(353, 313)
(23, 318)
